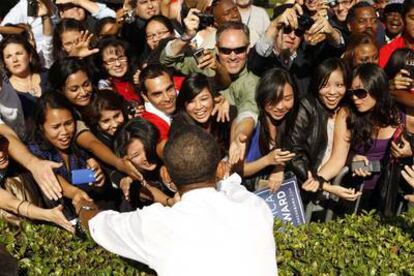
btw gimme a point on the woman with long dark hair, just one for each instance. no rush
(53, 138)
(266, 157)
(71, 78)
(312, 133)
(364, 129)
(71, 38)
(195, 105)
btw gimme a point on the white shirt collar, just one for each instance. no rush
(149, 107)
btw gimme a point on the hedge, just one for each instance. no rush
(361, 245)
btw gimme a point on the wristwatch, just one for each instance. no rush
(186, 37)
(87, 208)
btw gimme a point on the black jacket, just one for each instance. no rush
(300, 69)
(308, 137)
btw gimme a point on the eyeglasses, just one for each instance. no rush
(156, 35)
(228, 51)
(112, 61)
(360, 93)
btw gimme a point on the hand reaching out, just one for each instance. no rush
(56, 216)
(275, 181)
(81, 47)
(237, 149)
(125, 185)
(222, 108)
(42, 171)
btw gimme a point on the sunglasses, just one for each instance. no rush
(228, 51)
(360, 93)
(289, 30)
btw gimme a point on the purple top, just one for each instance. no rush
(376, 152)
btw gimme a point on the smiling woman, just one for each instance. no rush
(195, 105)
(116, 68)
(312, 135)
(266, 157)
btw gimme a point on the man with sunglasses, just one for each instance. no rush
(283, 45)
(232, 50)
(340, 10)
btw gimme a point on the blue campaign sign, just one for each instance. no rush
(285, 203)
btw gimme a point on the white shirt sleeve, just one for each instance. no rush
(103, 12)
(18, 14)
(120, 233)
(46, 49)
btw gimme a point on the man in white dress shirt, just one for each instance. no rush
(223, 230)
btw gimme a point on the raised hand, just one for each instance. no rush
(56, 216)
(191, 22)
(222, 108)
(81, 47)
(125, 185)
(42, 171)
(237, 149)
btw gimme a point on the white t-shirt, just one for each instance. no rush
(209, 232)
(11, 111)
(257, 20)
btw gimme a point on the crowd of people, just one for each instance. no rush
(115, 87)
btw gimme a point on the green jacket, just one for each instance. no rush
(242, 91)
(184, 64)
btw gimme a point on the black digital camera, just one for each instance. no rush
(32, 8)
(206, 19)
(304, 24)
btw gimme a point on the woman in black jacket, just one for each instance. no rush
(311, 137)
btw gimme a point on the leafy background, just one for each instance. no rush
(354, 245)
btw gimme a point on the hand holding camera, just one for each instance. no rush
(39, 8)
(192, 22)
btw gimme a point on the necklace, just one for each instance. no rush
(26, 85)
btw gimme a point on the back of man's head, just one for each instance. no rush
(191, 156)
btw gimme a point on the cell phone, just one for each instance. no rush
(373, 166)
(131, 110)
(32, 8)
(83, 176)
(130, 16)
(398, 134)
(409, 64)
(198, 54)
